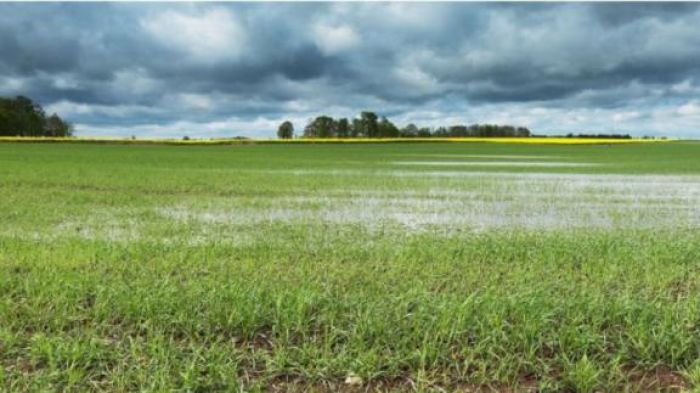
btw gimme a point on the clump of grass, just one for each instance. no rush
(692, 374)
(583, 375)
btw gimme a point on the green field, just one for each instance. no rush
(364, 267)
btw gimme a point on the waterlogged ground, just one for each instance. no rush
(404, 267)
(474, 201)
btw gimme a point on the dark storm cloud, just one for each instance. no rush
(150, 67)
(616, 14)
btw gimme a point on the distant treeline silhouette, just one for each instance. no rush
(20, 116)
(599, 136)
(369, 125)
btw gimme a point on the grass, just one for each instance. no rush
(301, 267)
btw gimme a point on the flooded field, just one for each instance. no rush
(409, 267)
(475, 201)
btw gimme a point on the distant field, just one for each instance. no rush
(355, 267)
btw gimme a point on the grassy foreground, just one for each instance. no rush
(347, 267)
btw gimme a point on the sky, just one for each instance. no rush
(239, 69)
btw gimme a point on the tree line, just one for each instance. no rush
(20, 116)
(600, 136)
(369, 125)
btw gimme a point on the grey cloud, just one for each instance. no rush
(101, 64)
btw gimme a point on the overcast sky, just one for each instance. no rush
(225, 69)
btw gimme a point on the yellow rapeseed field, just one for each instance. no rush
(229, 141)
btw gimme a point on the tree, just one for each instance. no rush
(286, 130)
(20, 116)
(321, 127)
(367, 125)
(56, 127)
(441, 132)
(31, 116)
(522, 132)
(343, 128)
(387, 129)
(424, 132)
(458, 131)
(357, 130)
(410, 131)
